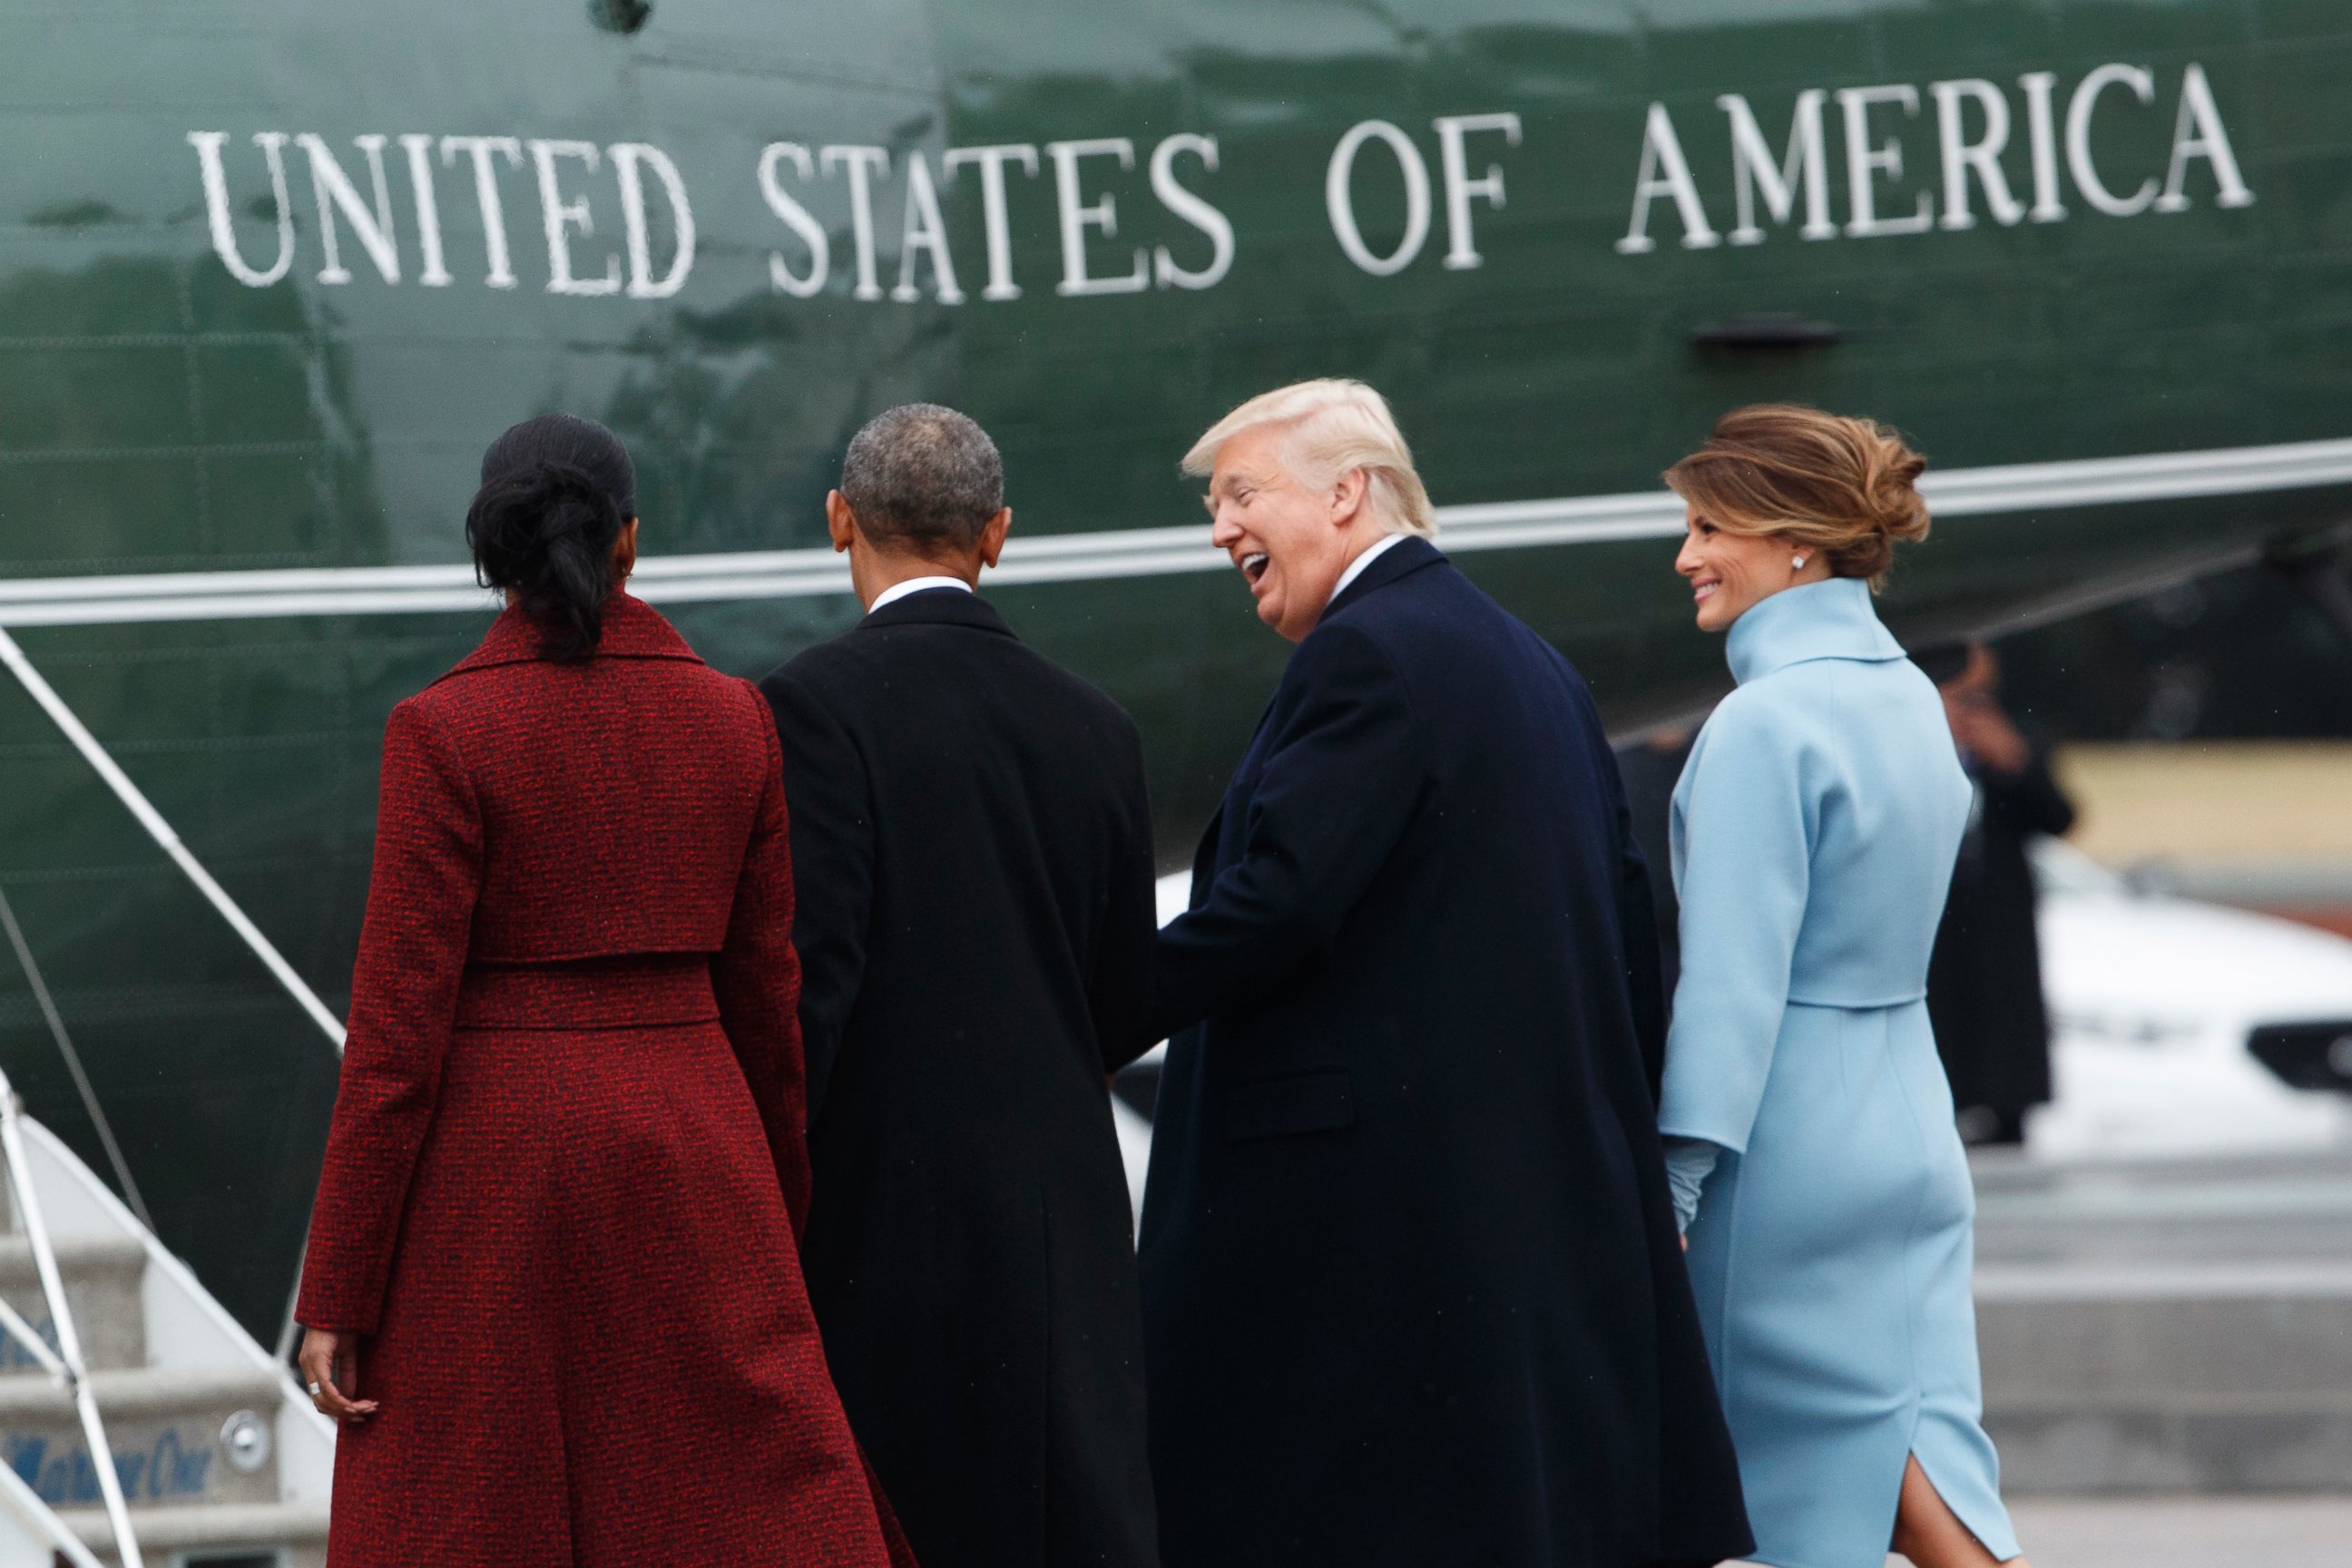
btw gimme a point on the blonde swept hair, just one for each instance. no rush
(1334, 426)
(1844, 487)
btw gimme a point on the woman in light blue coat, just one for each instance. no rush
(1823, 1188)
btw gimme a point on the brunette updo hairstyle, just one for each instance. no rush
(1842, 487)
(556, 492)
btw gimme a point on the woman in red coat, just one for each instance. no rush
(553, 1293)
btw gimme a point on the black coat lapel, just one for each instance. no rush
(1402, 559)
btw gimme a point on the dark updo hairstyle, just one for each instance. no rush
(556, 492)
(1844, 487)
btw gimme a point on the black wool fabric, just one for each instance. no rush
(971, 847)
(1984, 983)
(1412, 1290)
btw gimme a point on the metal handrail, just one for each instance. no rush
(68, 1355)
(28, 1503)
(37, 686)
(29, 1337)
(135, 801)
(58, 1032)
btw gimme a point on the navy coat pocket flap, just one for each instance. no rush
(1317, 1101)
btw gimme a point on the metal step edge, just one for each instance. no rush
(140, 1391)
(178, 1526)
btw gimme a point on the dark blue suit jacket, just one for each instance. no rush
(1412, 1290)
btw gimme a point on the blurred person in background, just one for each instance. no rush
(1810, 1137)
(1650, 767)
(1984, 984)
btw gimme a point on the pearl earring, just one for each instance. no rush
(1796, 564)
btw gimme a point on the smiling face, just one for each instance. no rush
(1290, 542)
(1729, 571)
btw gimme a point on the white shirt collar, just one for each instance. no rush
(1356, 567)
(898, 591)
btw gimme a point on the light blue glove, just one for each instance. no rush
(1688, 1161)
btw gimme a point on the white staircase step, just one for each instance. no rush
(299, 1529)
(75, 1254)
(210, 1444)
(133, 1391)
(166, 1428)
(102, 1290)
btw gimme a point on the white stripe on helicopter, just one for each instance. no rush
(2015, 489)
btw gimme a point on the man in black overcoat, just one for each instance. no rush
(1412, 1290)
(1984, 983)
(971, 853)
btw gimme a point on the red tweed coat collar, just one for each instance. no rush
(632, 629)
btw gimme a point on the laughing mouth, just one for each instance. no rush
(1703, 590)
(1253, 565)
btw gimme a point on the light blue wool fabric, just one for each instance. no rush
(1814, 832)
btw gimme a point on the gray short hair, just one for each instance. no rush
(921, 474)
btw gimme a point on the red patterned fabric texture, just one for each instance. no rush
(567, 1167)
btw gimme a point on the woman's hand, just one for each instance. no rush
(330, 1370)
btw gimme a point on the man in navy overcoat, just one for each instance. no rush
(1412, 1290)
